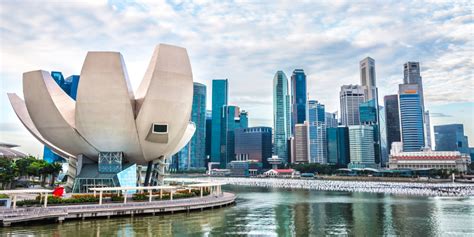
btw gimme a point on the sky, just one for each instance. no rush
(247, 42)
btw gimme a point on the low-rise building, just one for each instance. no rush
(428, 159)
(280, 173)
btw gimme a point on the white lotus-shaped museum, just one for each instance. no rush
(150, 124)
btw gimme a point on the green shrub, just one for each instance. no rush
(3, 196)
(117, 198)
(140, 197)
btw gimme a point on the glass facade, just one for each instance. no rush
(368, 112)
(361, 144)
(299, 97)
(450, 137)
(350, 98)
(411, 118)
(281, 115)
(392, 120)
(219, 101)
(208, 133)
(254, 143)
(69, 86)
(338, 146)
(193, 155)
(128, 178)
(317, 132)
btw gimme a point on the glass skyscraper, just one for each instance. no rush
(367, 78)
(450, 137)
(411, 118)
(193, 154)
(317, 132)
(338, 146)
(361, 145)
(208, 133)
(299, 97)
(219, 101)
(392, 120)
(281, 115)
(69, 86)
(231, 120)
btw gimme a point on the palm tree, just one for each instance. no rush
(54, 170)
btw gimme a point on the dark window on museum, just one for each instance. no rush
(160, 128)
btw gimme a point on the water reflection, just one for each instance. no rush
(279, 212)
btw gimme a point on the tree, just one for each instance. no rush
(54, 169)
(7, 172)
(23, 164)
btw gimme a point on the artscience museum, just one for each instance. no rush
(109, 129)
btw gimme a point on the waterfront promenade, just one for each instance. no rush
(61, 213)
(399, 188)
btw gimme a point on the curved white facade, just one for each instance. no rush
(106, 116)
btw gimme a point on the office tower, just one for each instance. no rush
(361, 145)
(281, 115)
(392, 120)
(331, 120)
(369, 116)
(450, 137)
(317, 132)
(411, 75)
(254, 143)
(219, 101)
(299, 96)
(368, 79)
(301, 143)
(208, 134)
(193, 154)
(426, 117)
(243, 120)
(351, 96)
(411, 117)
(69, 86)
(383, 137)
(338, 146)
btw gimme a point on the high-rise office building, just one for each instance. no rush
(281, 115)
(450, 137)
(317, 132)
(338, 145)
(383, 137)
(254, 143)
(219, 101)
(299, 96)
(361, 145)
(69, 86)
(411, 118)
(243, 119)
(193, 155)
(208, 134)
(300, 152)
(351, 96)
(368, 79)
(412, 75)
(231, 120)
(369, 116)
(331, 120)
(392, 120)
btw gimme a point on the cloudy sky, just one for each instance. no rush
(247, 42)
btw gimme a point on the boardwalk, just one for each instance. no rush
(61, 213)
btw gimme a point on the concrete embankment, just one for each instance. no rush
(62, 213)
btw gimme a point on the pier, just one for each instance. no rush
(67, 212)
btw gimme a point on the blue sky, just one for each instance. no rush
(247, 43)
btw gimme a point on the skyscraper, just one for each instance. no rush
(383, 137)
(450, 137)
(392, 120)
(351, 96)
(69, 86)
(301, 144)
(412, 75)
(281, 115)
(254, 143)
(367, 78)
(369, 116)
(219, 101)
(361, 139)
(331, 120)
(208, 133)
(411, 117)
(299, 96)
(338, 145)
(193, 155)
(231, 120)
(317, 132)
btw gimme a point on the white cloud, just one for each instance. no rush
(248, 42)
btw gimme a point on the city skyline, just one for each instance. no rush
(225, 43)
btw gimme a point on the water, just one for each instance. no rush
(283, 212)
